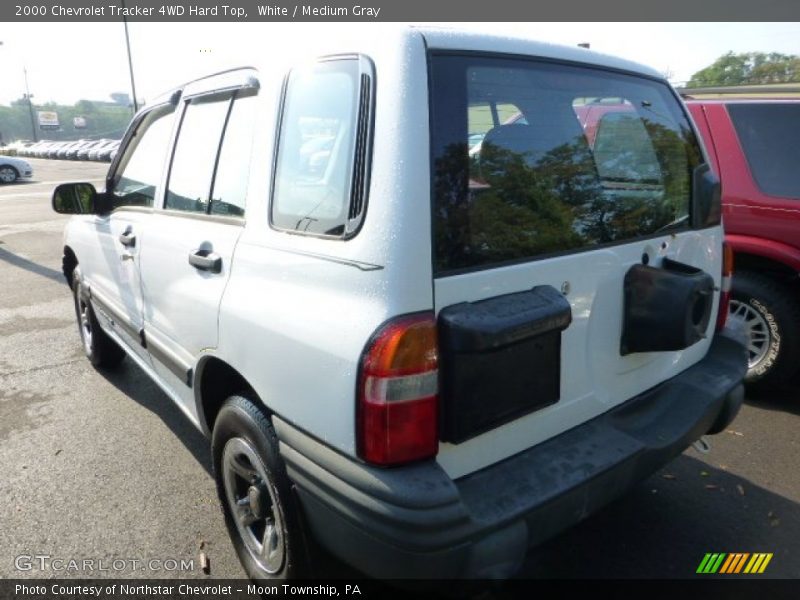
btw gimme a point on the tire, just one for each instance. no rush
(100, 349)
(771, 318)
(8, 174)
(262, 514)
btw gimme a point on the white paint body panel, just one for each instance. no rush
(594, 377)
(292, 313)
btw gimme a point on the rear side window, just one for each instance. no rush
(769, 135)
(211, 162)
(585, 157)
(320, 173)
(196, 153)
(233, 166)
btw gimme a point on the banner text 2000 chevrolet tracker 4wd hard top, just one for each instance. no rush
(433, 297)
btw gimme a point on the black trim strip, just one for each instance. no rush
(116, 318)
(170, 361)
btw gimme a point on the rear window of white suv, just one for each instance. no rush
(591, 157)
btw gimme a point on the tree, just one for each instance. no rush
(85, 106)
(121, 98)
(748, 68)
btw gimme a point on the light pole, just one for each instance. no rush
(130, 61)
(28, 97)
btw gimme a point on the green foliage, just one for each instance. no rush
(748, 68)
(103, 120)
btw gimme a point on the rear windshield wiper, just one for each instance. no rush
(676, 224)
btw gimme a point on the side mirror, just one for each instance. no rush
(75, 199)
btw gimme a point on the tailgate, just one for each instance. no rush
(567, 275)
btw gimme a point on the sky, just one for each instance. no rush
(66, 62)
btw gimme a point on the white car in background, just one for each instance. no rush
(13, 169)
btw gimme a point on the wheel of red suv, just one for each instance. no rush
(771, 319)
(262, 514)
(8, 174)
(100, 349)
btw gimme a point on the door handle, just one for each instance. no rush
(127, 239)
(204, 260)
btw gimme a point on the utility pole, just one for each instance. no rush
(130, 61)
(29, 98)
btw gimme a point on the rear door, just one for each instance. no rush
(593, 178)
(187, 255)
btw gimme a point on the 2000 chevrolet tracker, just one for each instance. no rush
(434, 297)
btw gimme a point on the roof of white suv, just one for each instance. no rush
(454, 39)
(376, 39)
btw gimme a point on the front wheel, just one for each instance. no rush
(8, 174)
(770, 316)
(262, 515)
(100, 349)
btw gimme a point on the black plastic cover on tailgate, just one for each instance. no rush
(500, 359)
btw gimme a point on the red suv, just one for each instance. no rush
(753, 145)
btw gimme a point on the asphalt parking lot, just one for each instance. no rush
(102, 466)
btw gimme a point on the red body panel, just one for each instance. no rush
(755, 223)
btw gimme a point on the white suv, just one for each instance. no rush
(433, 297)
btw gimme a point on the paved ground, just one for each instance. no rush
(103, 466)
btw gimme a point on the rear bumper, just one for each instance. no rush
(415, 522)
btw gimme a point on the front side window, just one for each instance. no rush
(140, 169)
(768, 134)
(319, 167)
(571, 158)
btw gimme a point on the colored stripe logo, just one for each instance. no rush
(734, 563)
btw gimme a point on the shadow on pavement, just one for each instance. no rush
(785, 399)
(29, 265)
(664, 527)
(135, 384)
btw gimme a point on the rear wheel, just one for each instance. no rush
(262, 515)
(8, 174)
(770, 316)
(100, 349)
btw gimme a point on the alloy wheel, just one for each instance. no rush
(251, 499)
(756, 329)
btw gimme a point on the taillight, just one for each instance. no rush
(725, 286)
(397, 392)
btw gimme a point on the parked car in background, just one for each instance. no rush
(91, 152)
(38, 149)
(103, 153)
(16, 148)
(424, 369)
(72, 151)
(753, 145)
(69, 149)
(83, 150)
(13, 169)
(53, 149)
